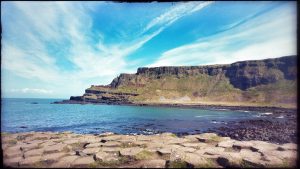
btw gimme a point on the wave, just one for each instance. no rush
(268, 113)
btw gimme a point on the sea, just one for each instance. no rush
(24, 115)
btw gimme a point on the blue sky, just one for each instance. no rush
(58, 49)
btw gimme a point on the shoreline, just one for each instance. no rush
(166, 150)
(176, 105)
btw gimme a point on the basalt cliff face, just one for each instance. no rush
(269, 82)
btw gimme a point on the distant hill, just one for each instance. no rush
(269, 82)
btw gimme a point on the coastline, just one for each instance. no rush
(279, 125)
(166, 150)
(201, 106)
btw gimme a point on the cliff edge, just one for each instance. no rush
(268, 82)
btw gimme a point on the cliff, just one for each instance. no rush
(269, 82)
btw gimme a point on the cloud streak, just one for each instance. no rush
(50, 28)
(252, 38)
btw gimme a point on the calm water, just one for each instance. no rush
(19, 115)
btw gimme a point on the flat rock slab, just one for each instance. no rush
(288, 146)
(154, 164)
(214, 150)
(53, 156)
(12, 162)
(226, 143)
(194, 159)
(112, 144)
(130, 151)
(83, 161)
(65, 162)
(106, 156)
(242, 144)
(111, 149)
(93, 145)
(54, 148)
(34, 152)
(230, 159)
(263, 146)
(30, 161)
(89, 151)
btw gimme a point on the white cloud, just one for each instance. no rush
(34, 91)
(176, 12)
(35, 28)
(257, 38)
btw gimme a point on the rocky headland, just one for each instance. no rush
(256, 83)
(166, 150)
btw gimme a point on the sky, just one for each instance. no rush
(58, 49)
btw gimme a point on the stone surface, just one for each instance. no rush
(130, 151)
(194, 159)
(242, 144)
(104, 156)
(34, 152)
(154, 164)
(65, 162)
(30, 161)
(89, 151)
(288, 146)
(226, 144)
(53, 156)
(83, 161)
(152, 151)
(12, 162)
(54, 148)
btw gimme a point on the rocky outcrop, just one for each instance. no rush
(166, 150)
(240, 75)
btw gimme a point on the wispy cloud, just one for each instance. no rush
(34, 91)
(176, 12)
(49, 28)
(257, 38)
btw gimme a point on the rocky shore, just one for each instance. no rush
(166, 150)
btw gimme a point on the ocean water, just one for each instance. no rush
(21, 115)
